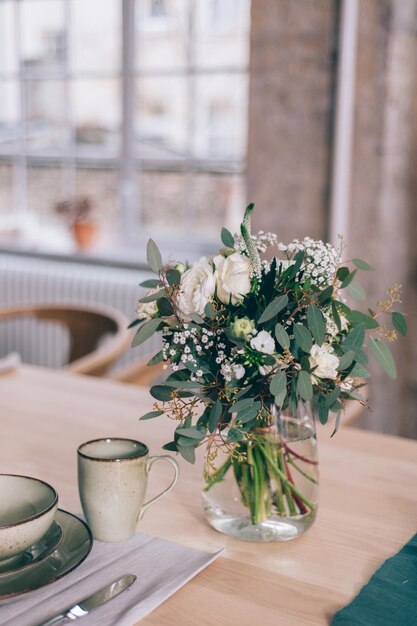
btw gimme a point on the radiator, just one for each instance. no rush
(29, 281)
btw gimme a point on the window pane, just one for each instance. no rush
(44, 45)
(44, 190)
(95, 36)
(8, 53)
(222, 33)
(161, 117)
(9, 116)
(161, 33)
(217, 200)
(46, 127)
(6, 188)
(97, 117)
(162, 195)
(220, 116)
(100, 186)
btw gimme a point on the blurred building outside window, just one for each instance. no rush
(172, 163)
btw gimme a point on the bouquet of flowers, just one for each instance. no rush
(247, 339)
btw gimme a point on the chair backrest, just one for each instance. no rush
(87, 326)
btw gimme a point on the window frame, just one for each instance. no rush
(128, 165)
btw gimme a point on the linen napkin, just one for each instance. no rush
(389, 598)
(161, 567)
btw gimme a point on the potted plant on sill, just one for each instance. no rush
(78, 214)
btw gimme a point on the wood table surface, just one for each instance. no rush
(368, 503)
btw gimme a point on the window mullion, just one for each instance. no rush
(128, 183)
(20, 174)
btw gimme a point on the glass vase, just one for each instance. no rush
(267, 488)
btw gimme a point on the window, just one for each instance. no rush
(139, 104)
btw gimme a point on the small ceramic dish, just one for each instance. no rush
(28, 508)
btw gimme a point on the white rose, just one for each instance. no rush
(325, 362)
(197, 289)
(263, 342)
(146, 310)
(232, 277)
(238, 371)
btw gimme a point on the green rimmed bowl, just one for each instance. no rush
(28, 507)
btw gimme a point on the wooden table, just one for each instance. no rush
(368, 504)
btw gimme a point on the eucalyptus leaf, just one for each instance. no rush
(196, 318)
(187, 453)
(359, 371)
(154, 256)
(145, 331)
(215, 414)
(316, 323)
(355, 338)
(191, 433)
(383, 356)
(332, 397)
(399, 322)
(234, 435)
(278, 384)
(356, 317)
(282, 336)
(273, 308)
(173, 277)
(356, 291)
(158, 358)
(346, 360)
(342, 273)
(279, 399)
(164, 307)
(336, 425)
(151, 415)
(346, 282)
(363, 265)
(303, 337)
(171, 446)
(135, 322)
(323, 410)
(153, 296)
(304, 386)
(160, 392)
(150, 283)
(325, 295)
(227, 238)
(241, 405)
(209, 311)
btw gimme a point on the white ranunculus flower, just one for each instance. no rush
(197, 289)
(263, 342)
(232, 277)
(146, 310)
(238, 371)
(325, 362)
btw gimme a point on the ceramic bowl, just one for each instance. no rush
(27, 509)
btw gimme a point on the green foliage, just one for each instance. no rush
(150, 283)
(399, 322)
(215, 414)
(282, 336)
(356, 291)
(304, 386)
(356, 317)
(303, 337)
(382, 354)
(173, 277)
(362, 265)
(273, 309)
(227, 238)
(151, 415)
(316, 323)
(145, 331)
(154, 256)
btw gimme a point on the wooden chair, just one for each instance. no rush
(138, 373)
(87, 326)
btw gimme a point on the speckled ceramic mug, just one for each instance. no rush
(112, 481)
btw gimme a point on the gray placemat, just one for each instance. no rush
(161, 567)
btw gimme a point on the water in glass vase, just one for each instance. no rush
(267, 490)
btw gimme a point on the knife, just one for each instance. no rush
(92, 602)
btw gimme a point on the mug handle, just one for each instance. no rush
(149, 463)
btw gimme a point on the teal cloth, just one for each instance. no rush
(390, 597)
